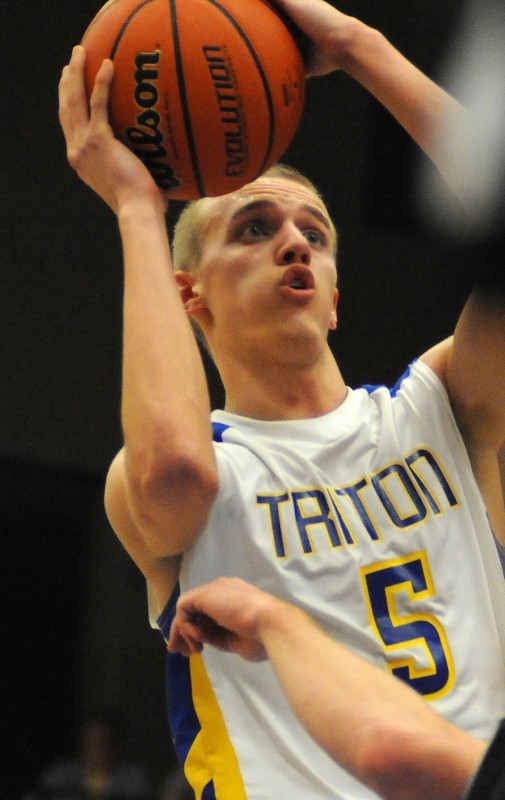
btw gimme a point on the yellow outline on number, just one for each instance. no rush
(398, 621)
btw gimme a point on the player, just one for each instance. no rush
(410, 755)
(368, 508)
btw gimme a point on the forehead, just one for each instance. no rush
(285, 192)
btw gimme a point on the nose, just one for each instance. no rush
(294, 248)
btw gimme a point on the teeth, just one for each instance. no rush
(297, 284)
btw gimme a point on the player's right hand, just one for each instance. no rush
(105, 164)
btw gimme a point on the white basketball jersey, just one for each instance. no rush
(370, 519)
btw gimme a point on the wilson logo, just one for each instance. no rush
(146, 137)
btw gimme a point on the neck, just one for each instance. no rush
(284, 391)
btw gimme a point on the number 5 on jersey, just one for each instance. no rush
(394, 591)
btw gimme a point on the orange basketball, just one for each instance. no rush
(208, 94)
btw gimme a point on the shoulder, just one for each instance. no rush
(437, 359)
(421, 386)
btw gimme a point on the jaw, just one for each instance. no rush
(283, 322)
(292, 343)
(296, 385)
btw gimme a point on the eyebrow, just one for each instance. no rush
(254, 205)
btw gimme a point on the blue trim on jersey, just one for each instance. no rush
(209, 792)
(164, 620)
(218, 428)
(182, 719)
(393, 391)
(501, 553)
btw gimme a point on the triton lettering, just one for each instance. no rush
(403, 494)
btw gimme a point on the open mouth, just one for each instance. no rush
(298, 277)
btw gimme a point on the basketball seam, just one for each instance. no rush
(124, 27)
(184, 99)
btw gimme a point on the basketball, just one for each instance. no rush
(208, 94)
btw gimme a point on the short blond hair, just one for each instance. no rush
(187, 240)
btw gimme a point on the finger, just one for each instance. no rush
(99, 100)
(198, 629)
(189, 646)
(73, 110)
(182, 640)
(174, 639)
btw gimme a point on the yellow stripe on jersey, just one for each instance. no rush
(196, 767)
(212, 756)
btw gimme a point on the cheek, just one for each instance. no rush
(237, 284)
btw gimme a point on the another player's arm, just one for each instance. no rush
(161, 486)
(374, 725)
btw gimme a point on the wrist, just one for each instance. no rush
(276, 620)
(359, 43)
(139, 210)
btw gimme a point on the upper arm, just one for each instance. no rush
(155, 540)
(471, 364)
(161, 573)
(169, 490)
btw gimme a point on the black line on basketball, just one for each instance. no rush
(124, 27)
(266, 85)
(184, 100)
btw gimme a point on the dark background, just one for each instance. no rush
(75, 630)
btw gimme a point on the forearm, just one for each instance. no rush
(418, 104)
(163, 375)
(339, 41)
(370, 723)
(165, 404)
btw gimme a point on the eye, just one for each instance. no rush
(315, 237)
(254, 229)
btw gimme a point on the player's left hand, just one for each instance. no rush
(329, 31)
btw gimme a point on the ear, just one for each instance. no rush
(333, 316)
(190, 291)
